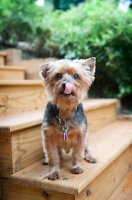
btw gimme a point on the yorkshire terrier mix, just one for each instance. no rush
(65, 125)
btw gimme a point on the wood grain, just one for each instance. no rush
(20, 149)
(100, 117)
(21, 96)
(16, 192)
(26, 147)
(5, 155)
(15, 122)
(124, 190)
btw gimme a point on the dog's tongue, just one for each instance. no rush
(68, 88)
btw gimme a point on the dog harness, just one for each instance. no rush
(64, 128)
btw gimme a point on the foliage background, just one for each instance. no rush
(95, 28)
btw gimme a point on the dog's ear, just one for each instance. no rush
(44, 70)
(90, 64)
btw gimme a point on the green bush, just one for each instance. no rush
(22, 21)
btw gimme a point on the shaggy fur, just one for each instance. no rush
(64, 113)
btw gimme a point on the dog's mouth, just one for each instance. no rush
(66, 95)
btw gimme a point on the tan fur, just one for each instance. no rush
(52, 137)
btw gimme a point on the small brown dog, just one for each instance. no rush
(65, 124)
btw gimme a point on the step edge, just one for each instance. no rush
(20, 82)
(107, 102)
(12, 68)
(23, 125)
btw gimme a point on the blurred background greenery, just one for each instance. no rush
(75, 29)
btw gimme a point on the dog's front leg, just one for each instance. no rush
(53, 155)
(77, 156)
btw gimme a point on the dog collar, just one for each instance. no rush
(64, 128)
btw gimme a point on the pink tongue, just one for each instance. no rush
(68, 88)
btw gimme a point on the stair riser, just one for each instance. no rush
(11, 74)
(13, 55)
(100, 117)
(20, 149)
(2, 60)
(13, 192)
(106, 183)
(21, 98)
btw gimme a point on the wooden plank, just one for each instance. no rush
(13, 55)
(109, 143)
(19, 121)
(101, 117)
(92, 104)
(11, 73)
(2, 60)
(5, 155)
(21, 96)
(124, 190)
(31, 67)
(105, 184)
(100, 112)
(16, 192)
(20, 149)
(26, 147)
(3, 53)
(21, 82)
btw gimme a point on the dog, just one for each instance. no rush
(64, 124)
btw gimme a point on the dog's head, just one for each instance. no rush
(66, 82)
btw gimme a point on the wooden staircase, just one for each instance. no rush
(22, 174)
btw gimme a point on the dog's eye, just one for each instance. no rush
(59, 76)
(76, 76)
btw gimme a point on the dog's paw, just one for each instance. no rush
(53, 175)
(77, 170)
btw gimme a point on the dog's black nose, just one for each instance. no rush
(64, 85)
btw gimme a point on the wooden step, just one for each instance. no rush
(113, 147)
(12, 73)
(3, 55)
(20, 141)
(31, 67)
(21, 96)
(124, 190)
(19, 133)
(13, 55)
